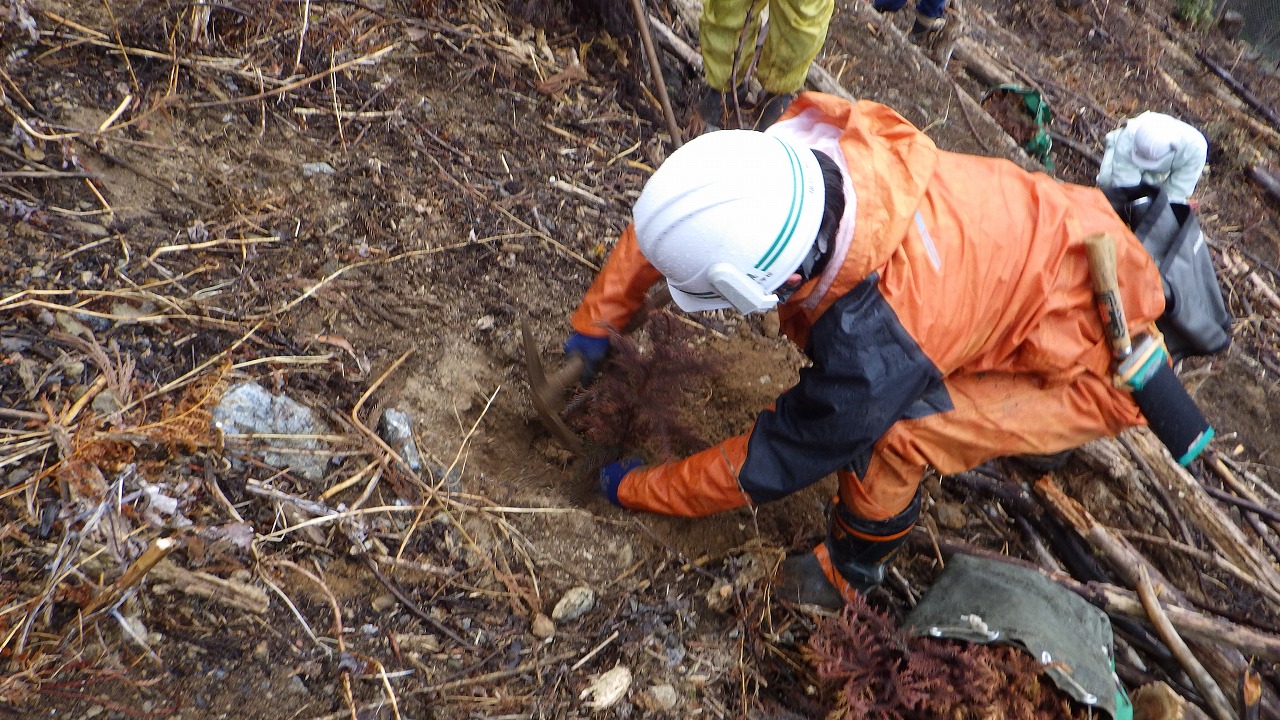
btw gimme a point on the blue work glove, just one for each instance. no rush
(611, 477)
(592, 349)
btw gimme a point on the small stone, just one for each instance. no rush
(296, 686)
(771, 325)
(951, 516)
(384, 602)
(664, 697)
(606, 690)
(317, 168)
(106, 402)
(417, 643)
(626, 555)
(260, 650)
(71, 326)
(720, 596)
(543, 627)
(576, 602)
(485, 323)
(397, 430)
(94, 711)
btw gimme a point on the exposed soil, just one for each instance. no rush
(479, 160)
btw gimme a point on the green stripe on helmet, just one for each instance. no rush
(794, 213)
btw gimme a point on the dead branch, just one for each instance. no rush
(1078, 147)
(1243, 504)
(158, 550)
(1203, 513)
(405, 599)
(1205, 684)
(229, 593)
(1127, 562)
(979, 63)
(1174, 520)
(655, 71)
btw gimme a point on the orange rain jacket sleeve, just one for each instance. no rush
(955, 324)
(618, 291)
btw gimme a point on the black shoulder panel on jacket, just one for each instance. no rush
(867, 374)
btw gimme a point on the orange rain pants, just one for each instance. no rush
(980, 262)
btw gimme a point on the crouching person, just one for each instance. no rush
(945, 302)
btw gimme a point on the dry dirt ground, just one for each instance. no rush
(169, 233)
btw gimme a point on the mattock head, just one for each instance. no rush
(548, 395)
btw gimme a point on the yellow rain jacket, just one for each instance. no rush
(955, 323)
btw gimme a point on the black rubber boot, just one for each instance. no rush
(770, 108)
(925, 27)
(719, 110)
(860, 548)
(1045, 463)
(801, 580)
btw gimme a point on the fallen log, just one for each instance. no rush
(1269, 182)
(1203, 513)
(1240, 90)
(1079, 148)
(981, 65)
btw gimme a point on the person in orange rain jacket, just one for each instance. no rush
(945, 301)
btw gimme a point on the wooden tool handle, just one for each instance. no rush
(1101, 248)
(566, 377)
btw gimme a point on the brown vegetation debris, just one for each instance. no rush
(636, 401)
(872, 669)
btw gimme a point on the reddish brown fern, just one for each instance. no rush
(870, 668)
(635, 402)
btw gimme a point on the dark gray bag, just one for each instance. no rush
(1195, 320)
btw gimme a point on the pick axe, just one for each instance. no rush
(1145, 370)
(548, 392)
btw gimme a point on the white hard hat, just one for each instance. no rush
(1155, 141)
(729, 217)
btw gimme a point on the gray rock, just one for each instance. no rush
(397, 430)
(317, 168)
(249, 409)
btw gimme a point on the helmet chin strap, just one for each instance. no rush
(741, 291)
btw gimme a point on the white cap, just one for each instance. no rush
(1155, 141)
(729, 217)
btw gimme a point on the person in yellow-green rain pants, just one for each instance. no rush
(944, 300)
(797, 30)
